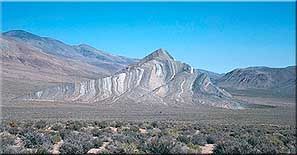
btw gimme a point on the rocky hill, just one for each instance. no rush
(155, 79)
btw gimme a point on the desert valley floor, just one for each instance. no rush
(279, 110)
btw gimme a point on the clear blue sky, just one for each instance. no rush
(214, 36)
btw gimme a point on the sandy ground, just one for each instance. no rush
(207, 149)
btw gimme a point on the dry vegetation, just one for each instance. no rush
(81, 137)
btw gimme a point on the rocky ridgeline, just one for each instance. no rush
(156, 79)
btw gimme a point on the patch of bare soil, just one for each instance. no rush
(207, 148)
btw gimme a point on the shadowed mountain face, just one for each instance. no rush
(156, 79)
(106, 62)
(282, 80)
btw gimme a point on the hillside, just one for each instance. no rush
(154, 80)
(275, 80)
(84, 60)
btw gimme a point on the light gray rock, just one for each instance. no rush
(156, 79)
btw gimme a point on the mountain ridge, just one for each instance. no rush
(156, 79)
(85, 53)
(282, 80)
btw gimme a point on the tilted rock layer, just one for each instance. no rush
(156, 79)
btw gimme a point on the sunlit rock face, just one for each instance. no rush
(156, 79)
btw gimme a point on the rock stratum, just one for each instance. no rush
(156, 79)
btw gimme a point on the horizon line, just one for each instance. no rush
(293, 65)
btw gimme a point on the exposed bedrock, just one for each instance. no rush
(156, 79)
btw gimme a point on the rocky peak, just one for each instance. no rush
(158, 79)
(159, 54)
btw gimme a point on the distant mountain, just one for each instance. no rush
(281, 80)
(21, 61)
(155, 79)
(107, 63)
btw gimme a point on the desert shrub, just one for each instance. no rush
(228, 147)
(253, 140)
(106, 130)
(147, 125)
(130, 148)
(184, 139)
(117, 137)
(14, 130)
(210, 140)
(128, 138)
(114, 149)
(198, 139)
(55, 137)
(102, 124)
(141, 125)
(162, 137)
(241, 146)
(96, 132)
(12, 150)
(40, 124)
(74, 125)
(12, 124)
(154, 124)
(179, 148)
(28, 124)
(116, 124)
(194, 148)
(57, 126)
(42, 150)
(97, 142)
(7, 139)
(187, 132)
(155, 132)
(162, 145)
(134, 128)
(77, 143)
(172, 132)
(33, 139)
(64, 133)
(71, 148)
(2, 127)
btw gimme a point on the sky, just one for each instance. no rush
(216, 36)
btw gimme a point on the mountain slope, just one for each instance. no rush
(282, 80)
(106, 62)
(23, 62)
(212, 75)
(156, 79)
